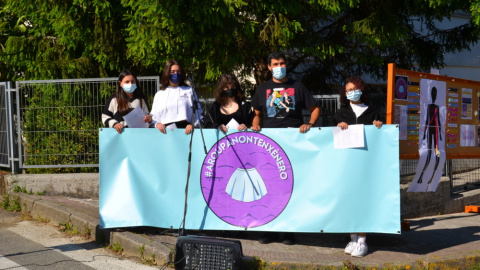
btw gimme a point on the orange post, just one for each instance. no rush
(405, 226)
(390, 92)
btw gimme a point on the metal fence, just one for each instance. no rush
(464, 174)
(58, 120)
(4, 146)
(329, 104)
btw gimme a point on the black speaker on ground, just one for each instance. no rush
(207, 253)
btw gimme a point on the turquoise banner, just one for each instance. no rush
(273, 180)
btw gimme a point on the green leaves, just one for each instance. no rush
(475, 10)
(62, 39)
(91, 38)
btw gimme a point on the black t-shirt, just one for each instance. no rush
(282, 103)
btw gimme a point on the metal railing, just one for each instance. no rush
(58, 120)
(4, 145)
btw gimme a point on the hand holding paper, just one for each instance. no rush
(349, 138)
(135, 118)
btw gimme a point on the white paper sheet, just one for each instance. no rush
(233, 124)
(134, 118)
(352, 137)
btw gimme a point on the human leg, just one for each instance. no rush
(361, 248)
(352, 244)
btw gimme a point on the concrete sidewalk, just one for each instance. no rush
(436, 242)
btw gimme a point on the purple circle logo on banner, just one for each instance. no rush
(246, 179)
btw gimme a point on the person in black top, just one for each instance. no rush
(229, 108)
(354, 110)
(278, 103)
(354, 99)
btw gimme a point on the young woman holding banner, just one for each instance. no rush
(354, 97)
(229, 107)
(172, 105)
(126, 98)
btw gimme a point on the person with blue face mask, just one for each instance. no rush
(126, 98)
(172, 105)
(355, 110)
(278, 103)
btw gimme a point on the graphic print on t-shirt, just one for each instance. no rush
(280, 101)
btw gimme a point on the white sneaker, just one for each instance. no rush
(361, 249)
(350, 247)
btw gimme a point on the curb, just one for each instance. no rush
(132, 245)
(136, 245)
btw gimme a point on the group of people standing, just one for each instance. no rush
(277, 103)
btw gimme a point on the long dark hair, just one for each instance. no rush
(164, 80)
(122, 98)
(359, 84)
(225, 79)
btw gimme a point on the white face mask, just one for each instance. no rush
(279, 72)
(129, 88)
(354, 95)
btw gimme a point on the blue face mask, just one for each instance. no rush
(175, 78)
(279, 72)
(354, 95)
(129, 88)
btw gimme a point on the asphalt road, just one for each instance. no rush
(34, 245)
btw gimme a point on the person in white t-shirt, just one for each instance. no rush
(354, 98)
(172, 105)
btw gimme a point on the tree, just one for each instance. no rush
(325, 41)
(328, 40)
(62, 39)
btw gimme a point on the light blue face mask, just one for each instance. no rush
(129, 88)
(354, 95)
(279, 72)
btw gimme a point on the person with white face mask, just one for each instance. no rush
(126, 98)
(279, 103)
(354, 110)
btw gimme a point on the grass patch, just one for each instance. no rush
(255, 264)
(11, 204)
(117, 248)
(19, 189)
(150, 260)
(141, 249)
(87, 232)
(68, 227)
(42, 220)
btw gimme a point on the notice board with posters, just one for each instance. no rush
(448, 106)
